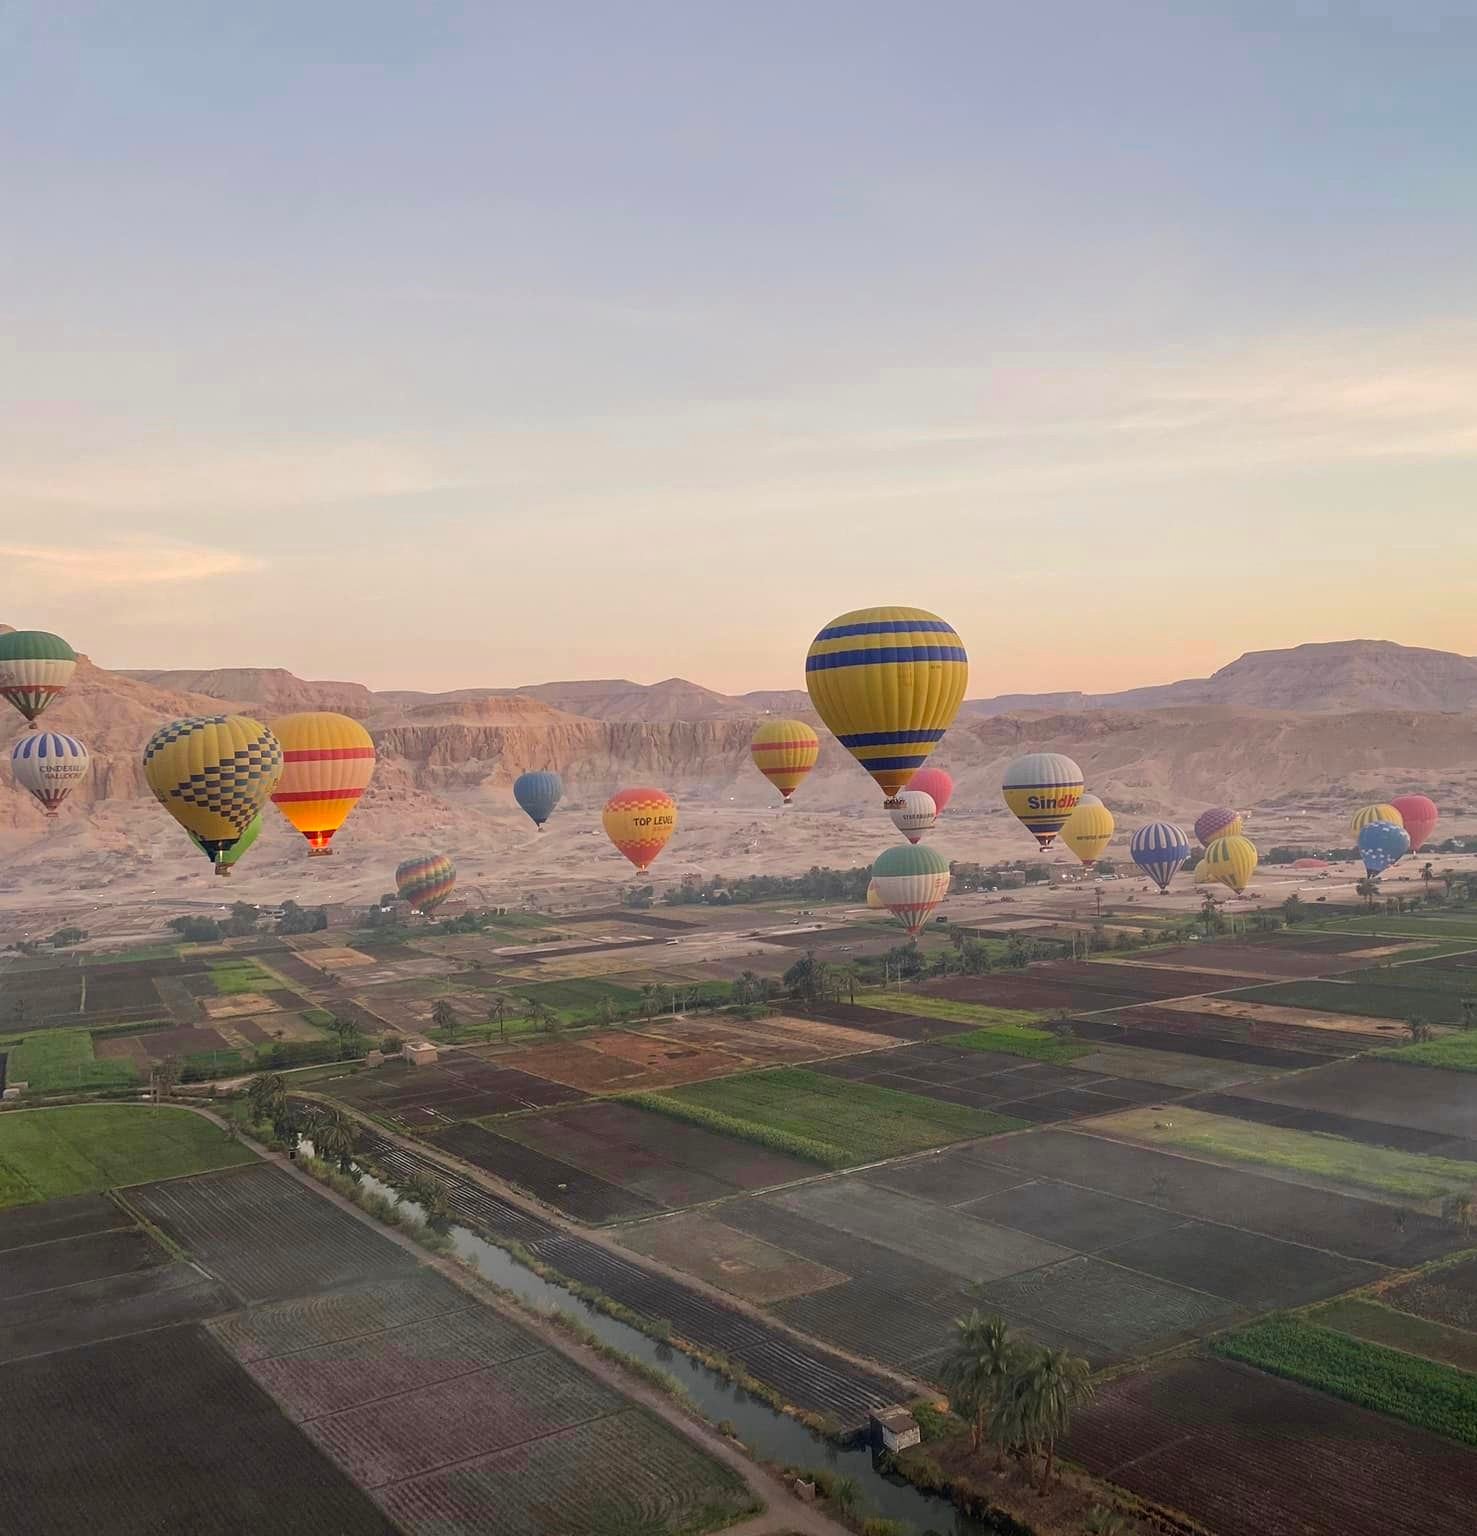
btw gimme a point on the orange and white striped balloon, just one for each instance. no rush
(327, 763)
(640, 822)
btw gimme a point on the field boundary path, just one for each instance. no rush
(810, 1376)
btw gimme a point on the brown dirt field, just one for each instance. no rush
(238, 1005)
(340, 959)
(618, 1062)
(1303, 1018)
(775, 1039)
(121, 1048)
(743, 1266)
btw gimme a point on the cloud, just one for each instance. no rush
(57, 570)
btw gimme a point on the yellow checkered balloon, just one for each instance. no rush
(213, 774)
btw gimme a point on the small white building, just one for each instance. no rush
(420, 1053)
(895, 1429)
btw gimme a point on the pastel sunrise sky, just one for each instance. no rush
(438, 345)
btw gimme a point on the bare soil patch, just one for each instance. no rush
(735, 1262)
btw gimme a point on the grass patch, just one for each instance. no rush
(1421, 1392)
(1456, 1053)
(1020, 1040)
(824, 1119)
(1380, 1170)
(319, 1016)
(925, 1005)
(1399, 994)
(129, 956)
(1425, 925)
(234, 976)
(60, 1061)
(1381, 1324)
(77, 1149)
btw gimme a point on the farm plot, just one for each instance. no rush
(61, 1060)
(1446, 1293)
(1029, 991)
(1457, 1053)
(1361, 1318)
(211, 1456)
(1342, 1224)
(664, 1160)
(1210, 1036)
(732, 1260)
(96, 1256)
(893, 1015)
(558, 1183)
(825, 1119)
(266, 1236)
(1289, 959)
(462, 1087)
(1169, 1070)
(1388, 1091)
(1132, 982)
(1387, 998)
(77, 1148)
(1249, 1454)
(1374, 1133)
(1275, 1024)
(621, 1061)
(773, 1041)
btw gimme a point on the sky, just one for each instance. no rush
(437, 346)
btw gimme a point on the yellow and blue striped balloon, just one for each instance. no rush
(888, 683)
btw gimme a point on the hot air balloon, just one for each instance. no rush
(910, 883)
(887, 682)
(874, 901)
(1159, 849)
(50, 765)
(1087, 831)
(34, 668)
(913, 814)
(1042, 789)
(213, 773)
(537, 794)
(1366, 814)
(242, 844)
(784, 751)
(1381, 844)
(640, 822)
(327, 762)
(1089, 799)
(1228, 861)
(934, 781)
(1419, 816)
(425, 880)
(1218, 821)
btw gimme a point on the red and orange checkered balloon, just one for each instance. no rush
(640, 822)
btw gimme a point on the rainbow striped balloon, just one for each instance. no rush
(426, 880)
(888, 683)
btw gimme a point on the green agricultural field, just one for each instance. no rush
(578, 998)
(1424, 925)
(1457, 1053)
(926, 1005)
(59, 1060)
(1379, 1324)
(1375, 1170)
(79, 1148)
(1018, 1040)
(233, 976)
(1389, 997)
(823, 1119)
(1419, 1391)
(129, 956)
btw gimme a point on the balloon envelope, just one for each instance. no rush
(1042, 790)
(240, 846)
(1229, 861)
(1159, 849)
(1218, 821)
(910, 883)
(50, 765)
(887, 682)
(874, 901)
(935, 782)
(213, 773)
(537, 794)
(1087, 831)
(34, 668)
(426, 880)
(1089, 799)
(784, 751)
(1419, 815)
(1381, 844)
(1377, 812)
(913, 814)
(327, 762)
(640, 822)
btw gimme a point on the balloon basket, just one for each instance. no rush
(222, 871)
(319, 853)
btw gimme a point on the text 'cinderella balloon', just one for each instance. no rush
(50, 765)
(1160, 849)
(537, 794)
(887, 682)
(1381, 844)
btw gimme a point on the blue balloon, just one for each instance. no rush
(1159, 849)
(538, 794)
(1381, 843)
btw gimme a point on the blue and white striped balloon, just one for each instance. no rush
(50, 765)
(1159, 849)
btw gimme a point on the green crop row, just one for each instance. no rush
(803, 1147)
(1014, 1040)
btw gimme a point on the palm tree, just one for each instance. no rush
(1102, 1521)
(851, 974)
(1469, 1012)
(334, 1134)
(1051, 1386)
(1368, 889)
(648, 1001)
(266, 1093)
(439, 1214)
(444, 1017)
(1427, 875)
(983, 1359)
(497, 1013)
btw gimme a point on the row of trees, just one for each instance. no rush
(1013, 1395)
